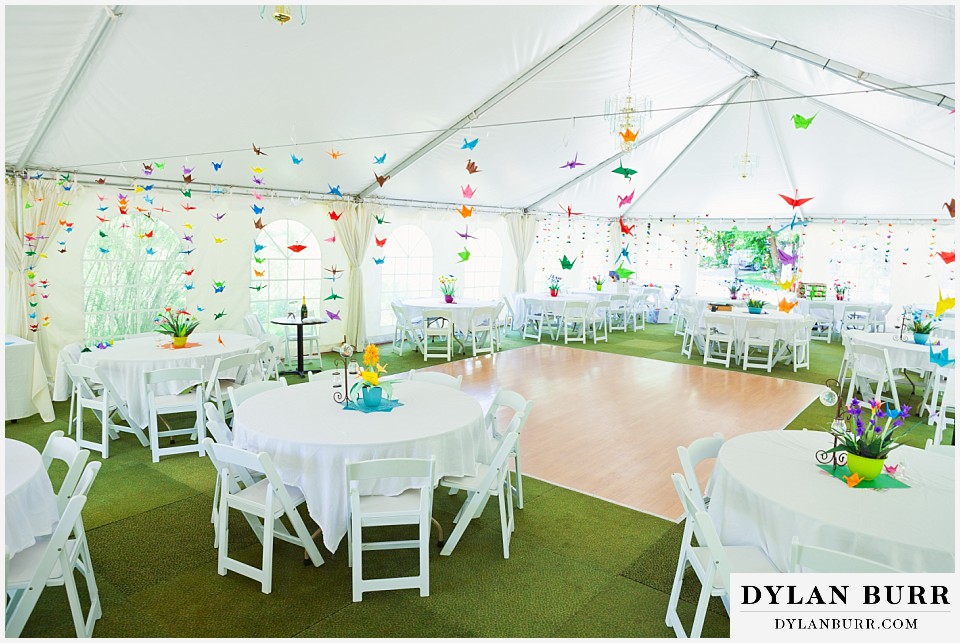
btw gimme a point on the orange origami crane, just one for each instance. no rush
(854, 480)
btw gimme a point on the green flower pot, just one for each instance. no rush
(867, 468)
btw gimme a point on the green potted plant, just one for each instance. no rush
(922, 327)
(598, 282)
(869, 442)
(755, 306)
(178, 325)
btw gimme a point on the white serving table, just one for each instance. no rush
(311, 438)
(26, 392)
(128, 360)
(903, 354)
(768, 489)
(30, 506)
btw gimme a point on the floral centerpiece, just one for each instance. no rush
(597, 281)
(369, 376)
(448, 285)
(840, 288)
(869, 443)
(553, 283)
(755, 306)
(178, 325)
(922, 325)
(734, 285)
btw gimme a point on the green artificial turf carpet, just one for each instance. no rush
(578, 567)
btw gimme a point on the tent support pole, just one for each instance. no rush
(657, 132)
(693, 141)
(97, 36)
(590, 29)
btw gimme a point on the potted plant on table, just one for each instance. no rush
(448, 286)
(553, 283)
(734, 285)
(597, 281)
(178, 325)
(869, 442)
(755, 306)
(922, 326)
(841, 288)
(370, 385)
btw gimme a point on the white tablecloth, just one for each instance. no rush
(310, 438)
(787, 323)
(127, 361)
(803, 306)
(768, 489)
(552, 305)
(902, 354)
(25, 391)
(30, 509)
(461, 310)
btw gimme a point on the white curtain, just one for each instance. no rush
(522, 230)
(15, 300)
(354, 231)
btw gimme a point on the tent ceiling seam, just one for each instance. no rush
(93, 44)
(568, 45)
(788, 174)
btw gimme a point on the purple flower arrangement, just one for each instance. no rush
(874, 427)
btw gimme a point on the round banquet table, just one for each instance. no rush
(768, 489)
(311, 438)
(126, 362)
(30, 509)
(461, 310)
(787, 323)
(838, 306)
(551, 305)
(903, 354)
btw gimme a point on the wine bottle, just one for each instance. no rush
(303, 308)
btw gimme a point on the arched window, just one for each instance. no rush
(132, 269)
(481, 274)
(407, 270)
(286, 267)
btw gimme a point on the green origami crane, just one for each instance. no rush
(158, 165)
(625, 171)
(381, 220)
(799, 122)
(258, 287)
(102, 234)
(566, 264)
(259, 259)
(464, 256)
(623, 273)
(217, 316)
(187, 193)
(333, 296)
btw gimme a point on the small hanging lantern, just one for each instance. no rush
(283, 13)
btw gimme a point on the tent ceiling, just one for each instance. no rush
(200, 84)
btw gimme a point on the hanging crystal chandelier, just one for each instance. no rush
(746, 163)
(283, 13)
(628, 112)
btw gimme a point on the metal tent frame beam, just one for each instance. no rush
(581, 35)
(841, 69)
(652, 135)
(93, 44)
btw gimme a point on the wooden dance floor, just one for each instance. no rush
(609, 425)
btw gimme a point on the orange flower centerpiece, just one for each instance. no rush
(178, 325)
(369, 377)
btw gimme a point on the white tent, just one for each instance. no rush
(95, 93)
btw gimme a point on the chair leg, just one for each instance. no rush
(702, 603)
(424, 576)
(73, 598)
(504, 525)
(673, 618)
(516, 471)
(357, 555)
(266, 581)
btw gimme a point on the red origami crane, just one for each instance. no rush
(948, 257)
(796, 201)
(334, 216)
(297, 247)
(625, 229)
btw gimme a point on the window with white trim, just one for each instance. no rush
(585, 243)
(407, 269)
(286, 267)
(481, 273)
(132, 270)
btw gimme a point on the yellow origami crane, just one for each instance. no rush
(787, 285)
(944, 304)
(854, 480)
(786, 306)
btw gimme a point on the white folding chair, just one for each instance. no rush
(499, 325)
(490, 480)
(254, 327)
(598, 320)
(510, 318)
(403, 330)
(190, 381)
(243, 365)
(871, 365)
(506, 399)
(699, 450)
(268, 499)
(877, 320)
(311, 337)
(436, 378)
(947, 403)
(712, 562)
(823, 320)
(534, 320)
(575, 317)
(69, 354)
(442, 330)
(759, 334)
(268, 359)
(483, 327)
(855, 317)
(325, 376)
(645, 301)
(718, 330)
(619, 312)
(96, 392)
(241, 394)
(51, 562)
(800, 347)
(367, 509)
(809, 558)
(69, 452)
(679, 321)
(948, 450)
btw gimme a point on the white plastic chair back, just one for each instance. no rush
(699, 450)
(240, 394)
(809, 558)
(69, 452)
(217, 425)
(437, 324)
(436, 378)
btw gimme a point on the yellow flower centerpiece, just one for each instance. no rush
(369, 377)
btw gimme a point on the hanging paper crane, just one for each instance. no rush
(566, 264)
(796, 201)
